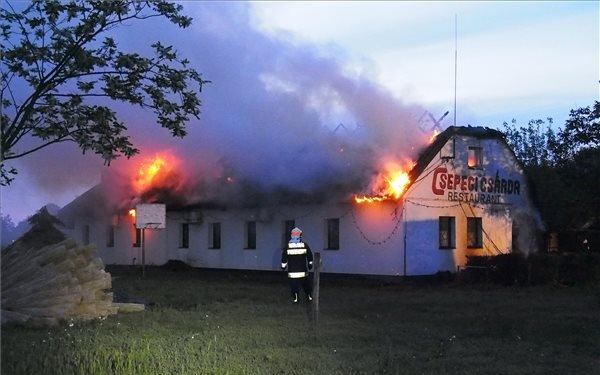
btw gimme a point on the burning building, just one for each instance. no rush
(464, 195)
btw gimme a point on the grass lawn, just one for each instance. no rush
(237, 322)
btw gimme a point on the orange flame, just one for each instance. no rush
(398, 183)
(367, 199)
(147, 172)
(154, 171)
(434, 135)
(132, 212)
(390, 185)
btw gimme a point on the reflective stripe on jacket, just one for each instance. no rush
(297, 275)
(298, 258)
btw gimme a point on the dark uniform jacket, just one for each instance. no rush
(298, 259)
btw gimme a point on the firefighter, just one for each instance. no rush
(298, 259)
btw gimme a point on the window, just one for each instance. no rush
(184, 236)
(474, 233)
(475, 158)
(110, 236)
(250, 235)
(447, 232)
(333, 234)
(138, 238)
(214, 236)
(288, 225)
(86, 234)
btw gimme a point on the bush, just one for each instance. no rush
(543, 268)
(567, 269)
(504, 269)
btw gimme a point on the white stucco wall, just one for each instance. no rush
(370, 240)
(433, 196)
(385, 238)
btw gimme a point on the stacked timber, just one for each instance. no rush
(53, 283)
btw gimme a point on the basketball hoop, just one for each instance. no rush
(152, 226)
(149, 216)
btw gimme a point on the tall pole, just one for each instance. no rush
(455, 62)
(143, 254)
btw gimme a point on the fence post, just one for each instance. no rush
(316, 287)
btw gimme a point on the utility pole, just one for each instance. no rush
(455, 62)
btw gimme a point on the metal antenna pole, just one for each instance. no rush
(455, 63)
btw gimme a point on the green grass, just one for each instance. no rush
(220, 322)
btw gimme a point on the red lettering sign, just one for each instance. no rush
(438, 188)
(442, 181)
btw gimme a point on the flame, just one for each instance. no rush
(147, 171)
(434, 135)
(398, 183)
(389, 185)
(132, 212)
(154, 172)
(367, 199)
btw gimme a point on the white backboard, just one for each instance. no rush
(151, 216)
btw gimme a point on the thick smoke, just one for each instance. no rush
(270, 118)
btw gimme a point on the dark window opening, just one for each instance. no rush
(447, 232)
(184, 239)
(250, 235)
(333, 234)
(214, 235)
(474, 233)
(110, 236)
(138, 238)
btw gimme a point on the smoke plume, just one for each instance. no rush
(279, 115)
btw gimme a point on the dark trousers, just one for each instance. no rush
(304, 282)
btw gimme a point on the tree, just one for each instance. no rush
(532, 145)
(564, 166)
(582, 175)
(60, 53)
(7, 231)
(582, 130)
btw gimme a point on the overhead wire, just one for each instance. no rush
(388, 237)
(498, 251)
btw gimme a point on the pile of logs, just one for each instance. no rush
(54, 283)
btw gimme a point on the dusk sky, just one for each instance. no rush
(285, 74)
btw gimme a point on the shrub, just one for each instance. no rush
(504, 269)
(567, 269)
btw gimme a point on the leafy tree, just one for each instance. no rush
(582, 130)
(58, 62)
(7, 234)
(535, 147)
(564, 166)
(532, 145)
(581, 175)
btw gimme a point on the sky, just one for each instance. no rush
(285, 75)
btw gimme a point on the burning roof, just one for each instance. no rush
(164, 179)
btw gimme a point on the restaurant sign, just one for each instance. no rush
(472, 188)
